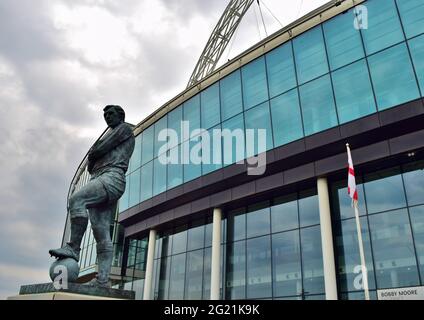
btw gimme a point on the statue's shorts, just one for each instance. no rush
(99, 194)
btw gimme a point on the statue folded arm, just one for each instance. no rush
(102, 147)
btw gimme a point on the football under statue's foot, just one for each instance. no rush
(65, 252)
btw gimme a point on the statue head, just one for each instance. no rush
(114, 115)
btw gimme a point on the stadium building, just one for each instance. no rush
(349, 72)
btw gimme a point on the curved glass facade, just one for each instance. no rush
(329, 75)
(269, 250)
(272, 249)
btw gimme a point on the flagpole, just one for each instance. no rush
(361, 244)
(361, 253)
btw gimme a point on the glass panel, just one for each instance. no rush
(284, 214)
(147, 145)
(208, 232)
(160, 125)
(174, 122)
(343, 203)
(213, 159)
(87, 257)
(286, 118)
(310, 56)
(417, 220)
(176, 285)
(138, 287)
(384, 191)
(210, 111)
(289, 298)
(159, 180)
(196, 235)
(134, 188)
(349, 260)
(192, 170)
(83, 255)
(384, 28)
(287, 273)
(231, 100)
(313, 273)
(236, 225)
(280, 68)
(207, 274)
(131, 253)
(353, 91)
(414, 183)
(166, 243)
(315, 297)
(359, 295)
(394, 257)
(236, 149)
(140, 259)
(416, 46)
(258, 220)
(393, 77)
(93, 257)
(164, 274)
(158, 248)
(222, 271)
(191, 112)
(123, 201)
(258, 118)
(135, 161)
(318, 109)
(259, 268)
(255, 88)
(146, 181)
(412, 16)
(236, 271)
(155, 284)
(175, 170)
(344, 43)
(179, 240)
(308, 208)
(193, 288)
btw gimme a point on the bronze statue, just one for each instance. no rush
(108, 162)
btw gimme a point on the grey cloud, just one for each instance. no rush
(116, 7)
(33, 211)
(58, 96)
(26, 32)
(29, 39)
(188, 8)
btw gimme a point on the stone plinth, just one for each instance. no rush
(75, 291)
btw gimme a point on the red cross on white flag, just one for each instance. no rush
(351, 184)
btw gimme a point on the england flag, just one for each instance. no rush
(351, 185)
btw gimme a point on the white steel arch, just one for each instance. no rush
(219, 39)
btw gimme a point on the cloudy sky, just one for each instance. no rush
(61, 61)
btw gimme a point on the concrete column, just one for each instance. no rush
(327, 240)
(148, 279)
(216, 254)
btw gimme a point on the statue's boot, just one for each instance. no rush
(104, 263)
(72, 248)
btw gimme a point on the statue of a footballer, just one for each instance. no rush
(108, 162)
